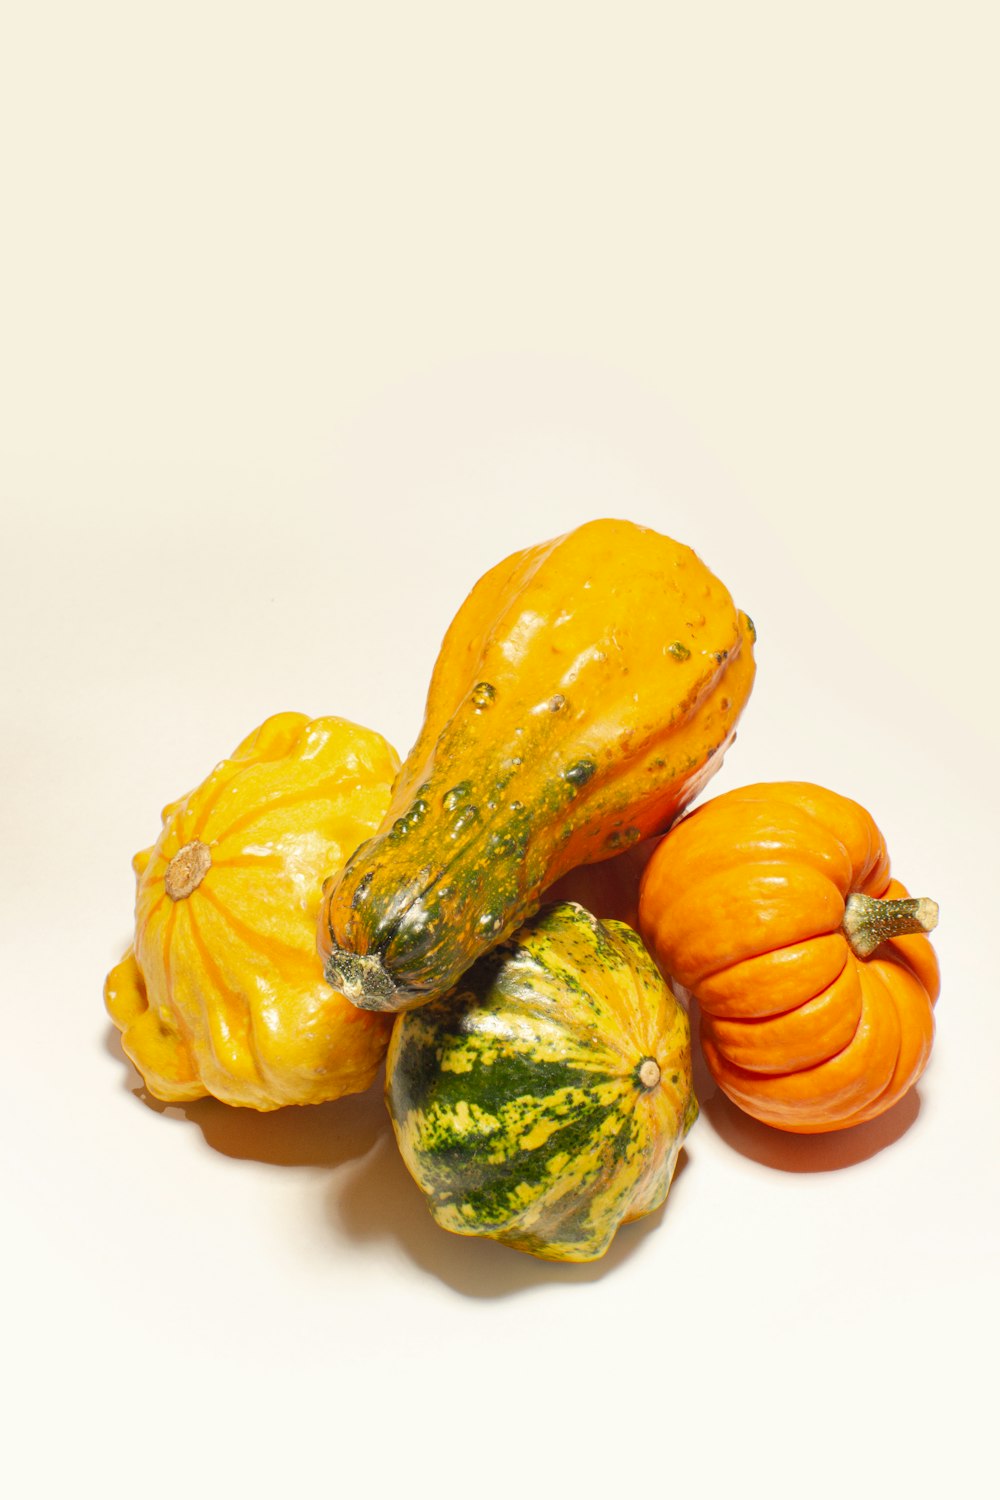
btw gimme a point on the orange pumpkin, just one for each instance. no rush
(773, 905)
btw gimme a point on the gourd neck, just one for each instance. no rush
(870, 921)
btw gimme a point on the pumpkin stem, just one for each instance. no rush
(870, 921)
(187, 869)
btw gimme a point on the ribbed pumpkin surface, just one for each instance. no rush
(743, 904)
(222, 992)
(543, 1101)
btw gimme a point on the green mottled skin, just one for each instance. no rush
(583, 695)
(517, 1100)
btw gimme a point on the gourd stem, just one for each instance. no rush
(870, 921)
(649, 1073)
(187, 870)
(362, 978)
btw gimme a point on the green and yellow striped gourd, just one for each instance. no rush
(543, 1100)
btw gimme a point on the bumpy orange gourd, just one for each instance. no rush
(222, 992)
(774, 907)
(584, 692)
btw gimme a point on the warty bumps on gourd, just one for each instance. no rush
(584, 693)
(221, 991)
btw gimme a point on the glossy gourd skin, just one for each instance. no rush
(744, 904)
(543, 1101)
(222, 992)
(584, 693)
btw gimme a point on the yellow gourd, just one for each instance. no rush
(222, 992)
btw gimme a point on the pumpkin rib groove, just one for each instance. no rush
(880, 1101)
(822, 1080)
(169, 923)
(241, 1008)
(794, 1072)
(249, 861)
(751, 1076)
(203, 813)
(916, 1031)
(761, 893)
(773, 982)
(765, 1018)
(315, 792)
(752, 1020)
(155, 904)
(266, 947)
(259, 747)
(924, 971)
(168, 933)
(764, 1073)
(765, 953)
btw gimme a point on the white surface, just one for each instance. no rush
(310, 313)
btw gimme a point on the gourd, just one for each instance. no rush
(221, 992)
(773, 905)
(543, 1101)
(583, 694)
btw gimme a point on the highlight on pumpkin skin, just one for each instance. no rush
(222, 992)
(773, 906)
(584, 693)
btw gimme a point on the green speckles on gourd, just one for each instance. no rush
(622, 838)
(410, 820)
(361, 890)
(678, 651)
(526, 1100)
(464, 819)
(483, 695)
(456, 796)
(580, 772)
(556, 702)
(508, 841)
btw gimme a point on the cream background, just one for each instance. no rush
(308, 314)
